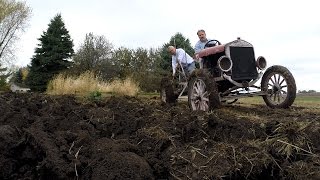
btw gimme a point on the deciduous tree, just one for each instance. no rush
(14, 16)
(93, 55)
(122, 58)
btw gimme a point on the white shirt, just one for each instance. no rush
(182, 57)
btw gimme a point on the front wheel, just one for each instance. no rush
(280, 86)
(203, 93)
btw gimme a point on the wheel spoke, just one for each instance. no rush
(284, 92)
(272, 80)
(198, 106)
(205, 94)
(205, 99)
(281, 81)
(279, 78)
(207, 106)
(204, 106)
(201, 106)
(202, 86)
(196, 89)
(271, 93)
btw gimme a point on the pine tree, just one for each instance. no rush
(18, 77)
(52, 56)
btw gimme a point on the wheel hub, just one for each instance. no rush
(276, 87)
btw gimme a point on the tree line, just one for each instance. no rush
(55, 54)
(307, 91)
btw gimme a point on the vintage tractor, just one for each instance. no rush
(229, 72)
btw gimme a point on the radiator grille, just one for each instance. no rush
(244, 64)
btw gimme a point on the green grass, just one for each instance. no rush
(148, 94)
(314, 99)
(301, 100)
(308, 101)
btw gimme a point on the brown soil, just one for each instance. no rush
(57, 137)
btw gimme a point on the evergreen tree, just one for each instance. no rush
(17, 78)
(179, 41)
(52, 56)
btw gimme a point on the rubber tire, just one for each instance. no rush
(211, 87)
(291, 86)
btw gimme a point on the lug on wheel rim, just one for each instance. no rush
(199, 96)
(277, 89)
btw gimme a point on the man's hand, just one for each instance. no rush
(196, 57)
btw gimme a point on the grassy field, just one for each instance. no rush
(301, 100)
(307, 100)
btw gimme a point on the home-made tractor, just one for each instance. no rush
(229, 72)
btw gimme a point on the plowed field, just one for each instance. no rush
(62, 137)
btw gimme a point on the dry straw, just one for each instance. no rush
(89, 82)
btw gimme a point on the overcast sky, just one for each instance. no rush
(285, 32)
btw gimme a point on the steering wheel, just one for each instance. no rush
(211, 43)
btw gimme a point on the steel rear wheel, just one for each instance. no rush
(199, 96)
(202, 92)
(280, 86)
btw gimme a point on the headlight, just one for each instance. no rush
(261, 63)
(224, 63)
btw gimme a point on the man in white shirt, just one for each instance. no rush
(180, 57)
